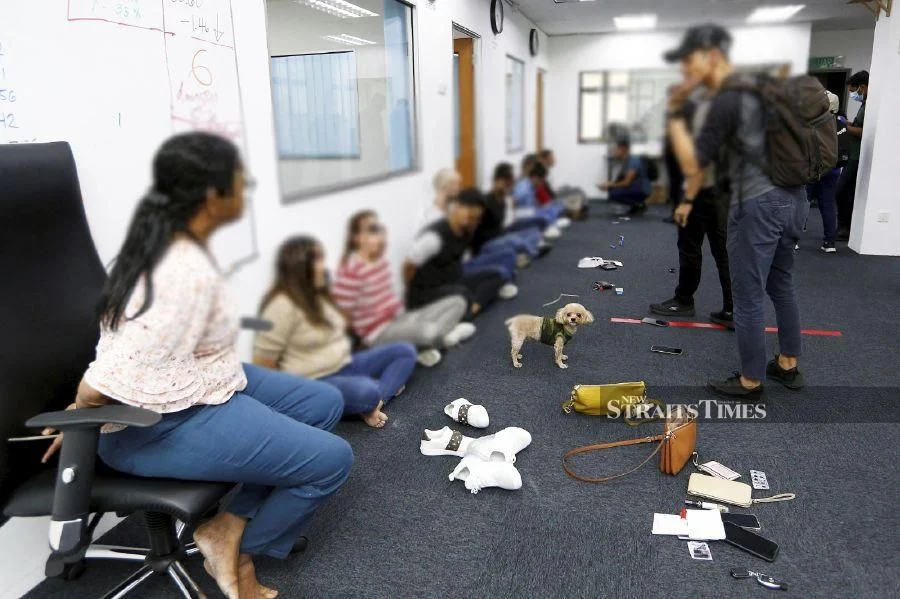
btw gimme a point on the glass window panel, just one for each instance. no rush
(515, 104)
(591, 116)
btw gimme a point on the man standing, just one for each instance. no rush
(709, 218)
(764, 220)
(858, 84)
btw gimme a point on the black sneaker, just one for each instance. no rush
(828, 247)
(637, 209)
(544, 249)
(792, 379)
(731, 388)
(672, 307)
(724, 318)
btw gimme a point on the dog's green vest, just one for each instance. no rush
(550, 330)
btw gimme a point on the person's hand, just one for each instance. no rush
(842, 120)
(680, 94)
(681, 214)
(603, 186)
(57, 442)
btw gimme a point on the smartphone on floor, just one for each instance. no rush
(748, 521)
(662, 349)
(750, 542)
(655, 322)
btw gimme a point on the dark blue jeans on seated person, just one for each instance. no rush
(761, 238)
(374, 375)
(272, 437)
(529, 222)
(501, 259)
(627, 195)
(825, 190)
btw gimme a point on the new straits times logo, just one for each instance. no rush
(705, 409)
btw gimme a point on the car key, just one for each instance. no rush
(763, 579)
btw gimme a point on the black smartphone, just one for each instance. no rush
(747, 521)
(655, 322)
(750, 542)
(662, 349)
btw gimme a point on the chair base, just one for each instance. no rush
(186, 585)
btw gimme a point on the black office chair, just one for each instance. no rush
(51, 281)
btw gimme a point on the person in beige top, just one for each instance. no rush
(309, 336)
(166, 344)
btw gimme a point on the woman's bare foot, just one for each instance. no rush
(376, 418)
(219, 541)
(248, 585)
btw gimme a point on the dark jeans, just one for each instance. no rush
(761, 238)
(824, 191)
(478, 288)
(846, 193)
(273, 436)
(631, 197)
(529, 222)
(374, 375)
(676, 179)
(709, 218)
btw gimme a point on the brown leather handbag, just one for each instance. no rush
(676, 446)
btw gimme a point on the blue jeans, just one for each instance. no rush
(525, 241)
(272, 437)
(529, 222)
(825, 190)
(500, 259)
(761, 238)
(552, 211)
(374, 375)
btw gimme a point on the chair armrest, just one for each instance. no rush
(95, 418)
(256, 324)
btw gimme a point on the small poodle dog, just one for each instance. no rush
(554, 331)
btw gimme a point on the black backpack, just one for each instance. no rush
(650, 168)
(801, 136)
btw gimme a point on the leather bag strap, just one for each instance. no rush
(599, 446)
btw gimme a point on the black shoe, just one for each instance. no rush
(300, 546)
(724, 318)
(792, 379)
(672, 307)
(731, 388)
(828, 247)
(637, 209)
(544, 249)
(843, 234)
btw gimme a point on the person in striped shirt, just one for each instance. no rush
(364, 289)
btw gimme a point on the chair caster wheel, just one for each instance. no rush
(73, 571)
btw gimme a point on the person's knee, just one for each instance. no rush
(329, 405)
(337, 458)
(431, 332)
(407, 351)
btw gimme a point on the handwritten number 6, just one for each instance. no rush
(201, 72)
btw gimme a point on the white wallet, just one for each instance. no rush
(728, 491)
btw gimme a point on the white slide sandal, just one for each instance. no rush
(478, 475)
(444, 442)
(465, 412)
(502, 446)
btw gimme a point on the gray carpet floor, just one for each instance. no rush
(400, 529)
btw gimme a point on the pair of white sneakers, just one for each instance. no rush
(486, 461)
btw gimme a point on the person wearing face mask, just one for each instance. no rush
(764, 220)
(824, 189)
(433, 267)
(858, 84)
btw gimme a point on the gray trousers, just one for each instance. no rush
(761, 238)
(426, 326)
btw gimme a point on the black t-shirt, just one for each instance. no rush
(445, 266)
(492, 220)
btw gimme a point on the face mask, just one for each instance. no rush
(856, 96)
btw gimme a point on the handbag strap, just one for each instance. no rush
(776, 498)
(599, 446)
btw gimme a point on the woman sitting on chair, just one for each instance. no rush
(309, 336)
(167, 344)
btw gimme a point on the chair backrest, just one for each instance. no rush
(52, 279)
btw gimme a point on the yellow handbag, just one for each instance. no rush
(609, 400)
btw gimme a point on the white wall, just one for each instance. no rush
(880, 155)
(584, 165)
(855, 45)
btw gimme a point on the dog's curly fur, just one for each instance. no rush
(526, 326)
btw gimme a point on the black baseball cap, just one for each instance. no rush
(701, 37)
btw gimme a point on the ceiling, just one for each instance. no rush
(574, 17)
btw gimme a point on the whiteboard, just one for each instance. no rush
(115, 78)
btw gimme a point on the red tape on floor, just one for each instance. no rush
(690, 324)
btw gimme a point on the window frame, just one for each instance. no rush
(521, 147)
(601, 91)
(415, 131)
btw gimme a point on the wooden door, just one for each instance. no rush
(464, 49)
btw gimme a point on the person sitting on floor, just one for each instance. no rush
(364, 290)
(572, 198)
(309, 336)
(632, 186)
(526, 202)
(167, 344)
(433, 267)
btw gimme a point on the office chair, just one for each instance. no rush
(51, 279)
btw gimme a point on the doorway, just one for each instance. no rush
(835, 81)
(539, 126)
(464, 105)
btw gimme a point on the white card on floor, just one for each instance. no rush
(705, 525)
(669, 524)
(759, 480)
(719, 470)
(699, 551)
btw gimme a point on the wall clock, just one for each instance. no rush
(497, 16)
(534, 44)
